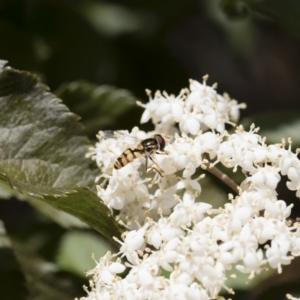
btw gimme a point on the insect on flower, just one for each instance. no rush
(146, 148)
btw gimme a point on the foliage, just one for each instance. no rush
(92, 53)
(42, 145)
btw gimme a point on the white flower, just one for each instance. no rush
(265, 178)
(210, 143)
(162, 231)
(253, 261)
(170, 228)
(187, 211)
(163, 108)
(106, 270)
(125, 187)
(294, 183)
(162, 201)
(277, 253)
(185, 154)
(133, 241)
(244, 149)
(189, 123)
(278, 210)
(201, 108)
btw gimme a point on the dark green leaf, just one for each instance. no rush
(42, 151)
(11, 276)
(80, 202)
(85, 205)
(41, 141)
(100, 106)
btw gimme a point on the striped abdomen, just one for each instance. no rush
(128, 156)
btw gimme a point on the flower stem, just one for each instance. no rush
(222, 176)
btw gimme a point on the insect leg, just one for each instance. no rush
(146, 162)
(156, 167)
(164, 152)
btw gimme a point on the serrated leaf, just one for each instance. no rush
(13, 283)
(41, 142)
(42, 151)
(100, 106)
(82, 203)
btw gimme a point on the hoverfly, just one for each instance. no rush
(145, 148)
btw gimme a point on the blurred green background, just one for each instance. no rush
(159, 45)
(99, 56)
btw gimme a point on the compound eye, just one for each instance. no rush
(160, 142)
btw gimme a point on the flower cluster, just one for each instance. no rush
(200, 108)
(177, 245)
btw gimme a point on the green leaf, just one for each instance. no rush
(41, 141)
(13, 283)
(80, 260)
(100, 106)
(42, 151)
(80, 202)
(85, 204)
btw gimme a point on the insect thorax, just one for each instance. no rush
(149, 145)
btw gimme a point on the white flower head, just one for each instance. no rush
(171, 226)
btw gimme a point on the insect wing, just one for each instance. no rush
(120, 135)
